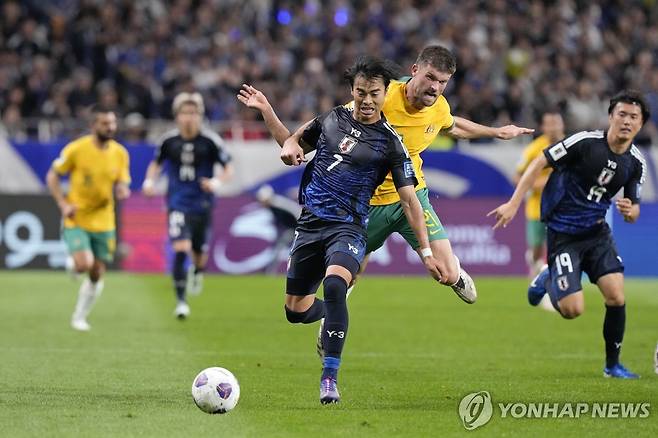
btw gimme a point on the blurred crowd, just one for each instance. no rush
(514, 58)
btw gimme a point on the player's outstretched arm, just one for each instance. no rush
(416, 218)
(254, 98)
(152, 172)
(505, 213)
(467, 129)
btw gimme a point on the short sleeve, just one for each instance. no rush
(311, 134)
(564, 152)
(66, 160)
(221, 154)
(160, 153)
(124, 174)
(633, 188)
(400, 165)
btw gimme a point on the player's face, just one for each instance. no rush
(428, 84)
(104, 126)
(553, 126)
(188, 118)
(625, 121)
(368, 97)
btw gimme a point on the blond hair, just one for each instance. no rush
(184, 98)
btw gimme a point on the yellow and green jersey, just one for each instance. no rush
(418, 129)
(533, 200)
(93, 173)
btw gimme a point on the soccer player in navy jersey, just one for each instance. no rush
(191, 153)
(589, 168)
(355, 149)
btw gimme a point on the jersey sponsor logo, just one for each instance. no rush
(409, 169)
(606, 176)
(557, 151)
(347, 144)
(562, 283)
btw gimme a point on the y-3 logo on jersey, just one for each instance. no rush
(355, 132)
(353, 248)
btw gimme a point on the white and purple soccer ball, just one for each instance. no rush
(215, 390)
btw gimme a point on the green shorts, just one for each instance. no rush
(102, 244)
(385, 220)
(535, 233)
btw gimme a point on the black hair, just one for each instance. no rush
(438, 57)
(96, 109)
(539, 115)
(633, 97)
(373, 67)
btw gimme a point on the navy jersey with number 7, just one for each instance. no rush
(351, 160)
(587, 175)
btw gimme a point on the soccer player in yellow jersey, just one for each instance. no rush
(552, 128)
(98, 169)
(418, 111)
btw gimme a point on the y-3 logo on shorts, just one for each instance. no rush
(340, 334)
(353, 248)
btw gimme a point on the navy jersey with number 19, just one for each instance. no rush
(351, 160)
(587, 176)
(187, 162)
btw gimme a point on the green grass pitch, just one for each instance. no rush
(413, 351)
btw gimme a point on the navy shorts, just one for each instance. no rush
(318, 246)
(186, 226)
(570, 255)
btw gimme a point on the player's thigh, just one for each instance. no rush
(78, 244)
(381, 224)
(103, 245)
(305, 265)
(602, 257)
(345, 249)
(435, 229)
(178, 227)
(199, 231)
(535, 233)
(564, 262)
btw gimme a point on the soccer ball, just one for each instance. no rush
(215, 390)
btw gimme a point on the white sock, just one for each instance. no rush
(87, 296)
(349, 291)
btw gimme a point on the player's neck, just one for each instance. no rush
(189, 135)
(409, 101)
(101, 144)
(616, 145)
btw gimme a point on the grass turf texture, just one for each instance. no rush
(413, 351)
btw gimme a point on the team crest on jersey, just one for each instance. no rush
(347, 144)
(606, 176)
(562, 283)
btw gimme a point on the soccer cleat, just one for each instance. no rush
(182, 310)
(537, 288)
(619, 371)
(329, 391)
(464, 287)
(80, 325)
(194, 281)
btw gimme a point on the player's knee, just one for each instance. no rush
(571, 311)
(615, 300)
(335, 288)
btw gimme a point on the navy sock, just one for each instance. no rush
(330, 367)
(613, 332)
(178, 272)
(335, 319)
(312, 314)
